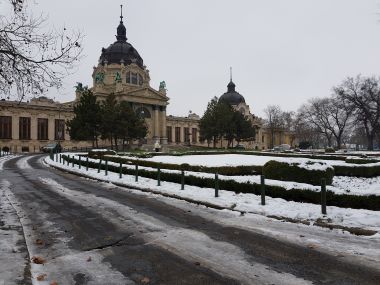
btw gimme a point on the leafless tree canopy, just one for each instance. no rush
(33, 60)
(363, 95)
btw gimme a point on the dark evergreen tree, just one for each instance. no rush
(87, 121)
(221, 121)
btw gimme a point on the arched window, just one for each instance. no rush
(140, 80)
(128, 77)
(143, 112)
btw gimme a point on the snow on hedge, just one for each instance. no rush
(215, 160)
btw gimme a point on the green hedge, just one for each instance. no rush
(371, 202)
(361, 160)
(223, 170)
(292, 172)
(357, 171)
(246, 152)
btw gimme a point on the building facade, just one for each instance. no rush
(120, 71)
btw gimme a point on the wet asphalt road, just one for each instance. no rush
(129, 252)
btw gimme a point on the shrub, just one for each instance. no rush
(357, 171)
(329, 150)
(100, 153)
(5, 149)
(309, 172)
(361, 160)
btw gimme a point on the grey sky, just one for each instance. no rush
(282, 51)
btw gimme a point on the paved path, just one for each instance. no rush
(92, 233)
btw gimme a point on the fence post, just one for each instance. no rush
(87, 163)
(100, 163)
(323, 196)
(136, 172)
(182, 179)
(121, 170)
(158, 176)
(106, 167)
(80, 162)
(68, 160)
(216, 184)
(262, 178)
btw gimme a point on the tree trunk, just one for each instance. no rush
(370, 139)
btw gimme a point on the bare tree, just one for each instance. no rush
(330, 116)
(31, 60)
(274, 120)
(363, 94)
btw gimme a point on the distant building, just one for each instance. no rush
(120, 71)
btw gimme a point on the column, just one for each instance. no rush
(51, 129)
(156, 133)
(15, 127)
(164, 139)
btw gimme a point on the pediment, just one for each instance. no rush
(148, 93)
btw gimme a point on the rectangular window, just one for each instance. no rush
(169, 134)
(24, 128)
(186, 134)
(134, 78)
(5, 127)
(59, 130)
(177, 134)
(42, 129)
(194, 135)
(262, 139)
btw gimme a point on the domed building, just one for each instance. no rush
(120, 70)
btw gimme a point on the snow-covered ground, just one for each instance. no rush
(241, 202)
(13, 254)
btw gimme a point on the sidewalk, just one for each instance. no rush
(14, 256)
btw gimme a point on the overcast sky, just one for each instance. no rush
(282, 51)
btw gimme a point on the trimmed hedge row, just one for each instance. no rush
(371, 202)
(223, 170)
(257, 153)
(357, 171)
(292, 172)
(361, 160)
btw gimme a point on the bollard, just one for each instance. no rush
(68, 160)
(216, 185)
(158, 177)
(262, 178)
(106, 173)
(72, 162)
(87, 163)
(80, 162)
(323, 196)
(51, 155)
(121, 170)
(60, 158)
(100, 164)
(56, 157)
(182, 180)
(137, 173)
